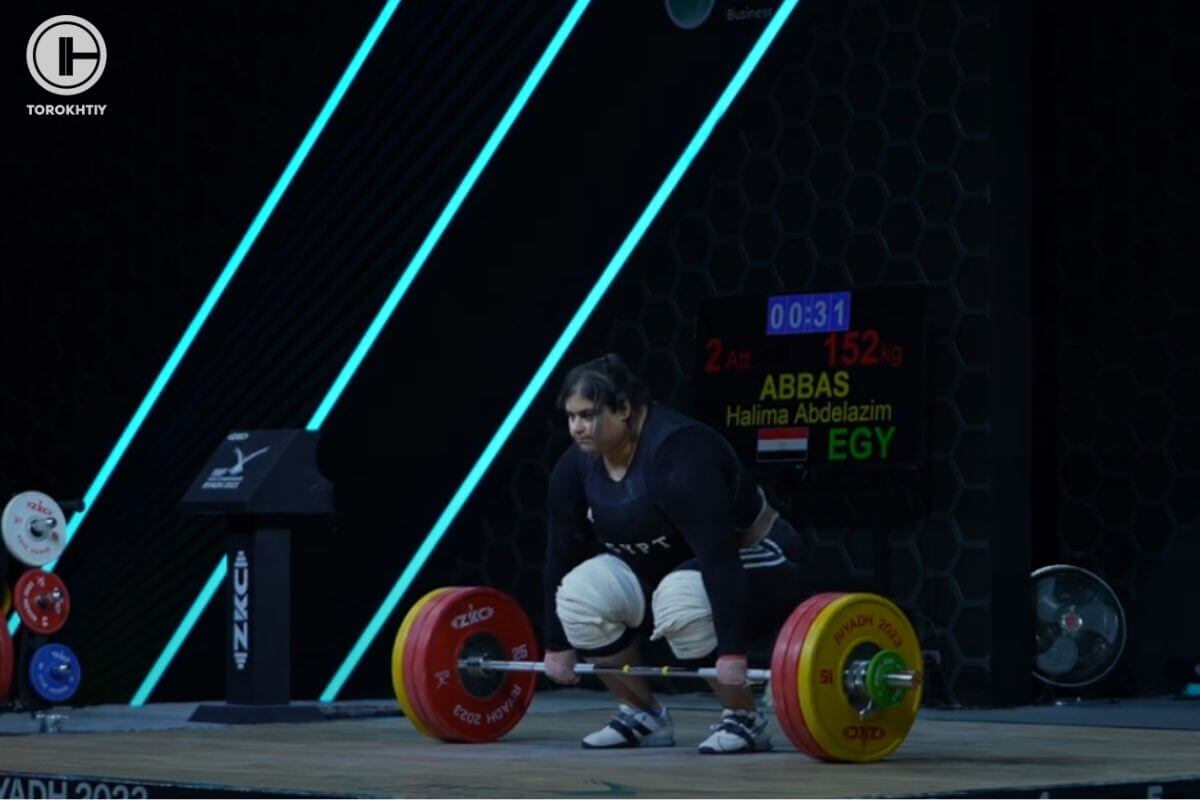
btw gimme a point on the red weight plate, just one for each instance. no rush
(398, 683)
(42, 601)
(6, 661)
(413, 654)
(785, 661)
(416, 654)
(786, 664)
(473, 621)
(785, 704)
(800, 634)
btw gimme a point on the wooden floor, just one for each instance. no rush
(384, 756)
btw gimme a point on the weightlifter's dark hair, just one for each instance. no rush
(605, 381)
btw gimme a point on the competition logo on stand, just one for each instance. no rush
(231, 477)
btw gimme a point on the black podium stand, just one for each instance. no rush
(264, 482)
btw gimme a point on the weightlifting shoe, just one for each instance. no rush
(634, 727)
(740, 730)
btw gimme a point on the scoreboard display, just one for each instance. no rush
(822, 379)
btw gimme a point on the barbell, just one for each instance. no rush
(845, 674)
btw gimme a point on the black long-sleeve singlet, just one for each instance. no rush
(685, 495)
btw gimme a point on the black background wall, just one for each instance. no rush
(1118, 192)
(878, 143)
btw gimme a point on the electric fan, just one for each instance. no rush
(1080, 626)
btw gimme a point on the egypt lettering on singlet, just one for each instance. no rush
(638, 548)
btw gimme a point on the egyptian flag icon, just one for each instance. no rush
(782, 444)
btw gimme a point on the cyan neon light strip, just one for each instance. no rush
(556, 353)
(443, 221)
(389, 305)
(231, 268)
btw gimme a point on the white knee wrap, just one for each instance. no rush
(598, 600)
(683, 615)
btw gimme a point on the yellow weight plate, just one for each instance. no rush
(855, 626)
(398, 660)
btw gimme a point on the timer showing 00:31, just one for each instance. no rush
(792, 314)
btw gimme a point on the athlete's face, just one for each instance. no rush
(596, 428)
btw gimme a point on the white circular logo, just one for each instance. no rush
(66, 55)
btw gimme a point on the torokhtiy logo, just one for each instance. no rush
(66, 55)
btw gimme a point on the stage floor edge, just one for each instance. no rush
(119, 752)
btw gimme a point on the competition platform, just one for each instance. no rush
(1134, 748)
(845, 685)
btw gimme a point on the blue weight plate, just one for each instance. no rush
(54, 673)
